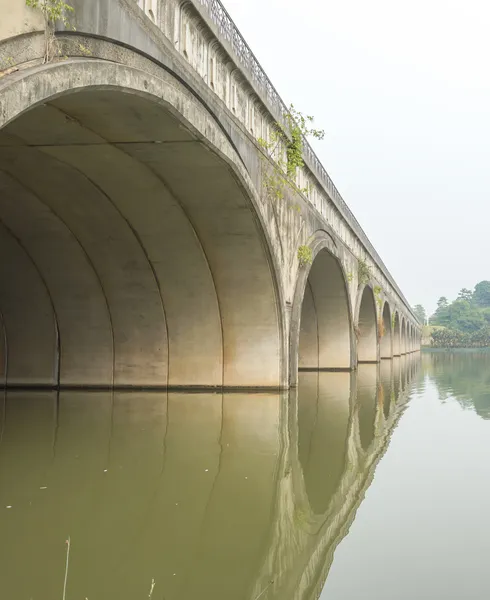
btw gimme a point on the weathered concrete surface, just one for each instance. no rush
(142, 248)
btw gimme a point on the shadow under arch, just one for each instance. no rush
(321, 320)
(396, 334)
(367, 342)
(145, 231)
(403, 336)
(386, 339)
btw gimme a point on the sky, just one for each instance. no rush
(402, 91)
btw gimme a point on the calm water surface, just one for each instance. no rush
(367, 485)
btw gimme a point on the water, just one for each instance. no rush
(422, 530)
(375, 482)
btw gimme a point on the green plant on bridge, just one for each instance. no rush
(53, 11)
(377, 295)
(393, 320)
(283, 153)
(363, 271)
(305, 255)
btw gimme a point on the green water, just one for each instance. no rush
(375, 482)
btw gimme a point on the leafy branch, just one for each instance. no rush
(284, 146)
(283, 156)
(363, 272)
(305, 255)
(53, 11)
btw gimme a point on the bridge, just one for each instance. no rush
(141, 246)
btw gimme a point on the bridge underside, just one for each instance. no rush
(131, 253)
(325, 341)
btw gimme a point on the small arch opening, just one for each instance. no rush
(324, 340)
(396, 335)
(403, 337)
(386, 338)
(367, 350)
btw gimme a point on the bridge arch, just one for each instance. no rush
(396, 334)
(386, 333)
(367, 326)
(139, 253)
(403, 336)
(321, 319)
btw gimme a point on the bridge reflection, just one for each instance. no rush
(211, 496)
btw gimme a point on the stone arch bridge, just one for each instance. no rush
(140, 248)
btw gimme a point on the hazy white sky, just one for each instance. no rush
(403, 93)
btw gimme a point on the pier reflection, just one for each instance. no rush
(214, 496)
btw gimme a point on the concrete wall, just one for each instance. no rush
(140, 225)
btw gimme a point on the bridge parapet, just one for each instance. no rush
(206, 36)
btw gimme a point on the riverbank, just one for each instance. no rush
(454, 350)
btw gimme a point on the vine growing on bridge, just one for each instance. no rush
(53, 11)
(305, 255)
(283, 155)
(363, 272)
(285, 148)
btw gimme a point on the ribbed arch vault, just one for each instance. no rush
(134, 255)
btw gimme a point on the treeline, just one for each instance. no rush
(465, 321)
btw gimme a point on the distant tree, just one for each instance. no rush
(465, 294)
(441, 316)
(481, 295)
(466, 320)
(463, 316)
(420, 313)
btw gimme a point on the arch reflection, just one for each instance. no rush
(367, 394)
(211, 496)
(323, 422)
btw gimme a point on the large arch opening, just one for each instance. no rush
(386, 337)
(325, 330)
(135, 253)
(367, 343)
